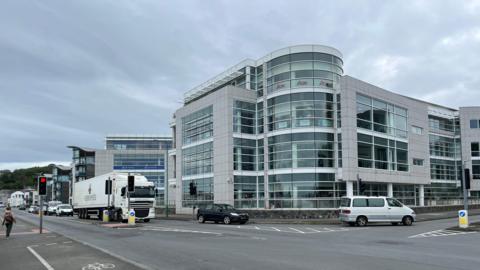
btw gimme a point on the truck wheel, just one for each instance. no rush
(146, 220)
(80, 213)
(119, 215)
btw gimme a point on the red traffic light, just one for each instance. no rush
(43, 179)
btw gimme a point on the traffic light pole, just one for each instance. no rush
(41, 214)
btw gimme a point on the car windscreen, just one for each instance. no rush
(227, 207)
(65, 207)
(345, 202)
(143, 192)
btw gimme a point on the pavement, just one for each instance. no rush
(27, 249)
(176, 244)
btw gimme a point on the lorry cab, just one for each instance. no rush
(361, 210)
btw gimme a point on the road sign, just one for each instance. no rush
(131, 217)
(463, 219)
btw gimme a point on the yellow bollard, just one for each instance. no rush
(105, 216)
(463, 219)
(131, 217)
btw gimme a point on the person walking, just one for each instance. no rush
(8, 220)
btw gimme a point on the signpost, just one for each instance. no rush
(130, 189)
(463, 219)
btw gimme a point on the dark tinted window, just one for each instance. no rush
(345, 202)
(393, 203)
(376, 203)
(359, 202)
(474, 123)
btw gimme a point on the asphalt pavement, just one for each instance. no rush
(27, 249)
(171, 244)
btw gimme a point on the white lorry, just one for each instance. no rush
(89, 197)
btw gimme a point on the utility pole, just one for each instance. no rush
(165, 184)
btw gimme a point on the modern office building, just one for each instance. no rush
(60, 182)
(290, 130)
(125, 153)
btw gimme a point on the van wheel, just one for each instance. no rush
(407, 221)
(201, 219)
(362, 221)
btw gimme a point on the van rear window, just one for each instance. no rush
(345, 202)
(359, 202)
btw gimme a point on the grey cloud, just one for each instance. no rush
(73, 71)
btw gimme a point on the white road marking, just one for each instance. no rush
(296, 230)
(438, 233)
(67, 242)
(312, 229)
(276, 229)
(40, 258)
(50, 244)
(166, 229)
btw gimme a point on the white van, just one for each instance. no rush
(363, 209)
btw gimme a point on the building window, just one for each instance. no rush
(198, 125)
(441, 124)
(197, 159)
(475, 149)
(380, 153)
(418, 162)
(304, 190)
(444, 146)
(474, 123)
(248, 191)
(445, 169)
(244, 154)
(379, 116)
(202, 195)
(299, 110)
(244, 117)
(476, 169)
(417, 130)
(301, 150)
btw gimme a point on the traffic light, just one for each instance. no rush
(131, 183)
(467, 179)
(108, 187)
(361, 186)
(42, 185)
(192, 189)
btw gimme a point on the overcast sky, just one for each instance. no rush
(72, 72)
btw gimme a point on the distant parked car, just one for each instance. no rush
(22, 207)
(2, 205)
(33, 209)
(361, 210)
(52, 207)
(64, 209)
(221, 213)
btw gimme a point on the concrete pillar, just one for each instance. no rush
(349, 188)
(421, 195)
(389, 190)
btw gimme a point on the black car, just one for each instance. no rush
(221, 213)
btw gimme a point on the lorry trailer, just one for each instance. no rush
(90, 198)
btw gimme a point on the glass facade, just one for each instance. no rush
(244, 154)
(305, 190)
(301, 150)
(244, 117)
(300, 70)
(300, 110)
(198, 126)
(249, 191)
(197, 160)
(380, 153)
(379, 116)
(139, 144)
(204, 192)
